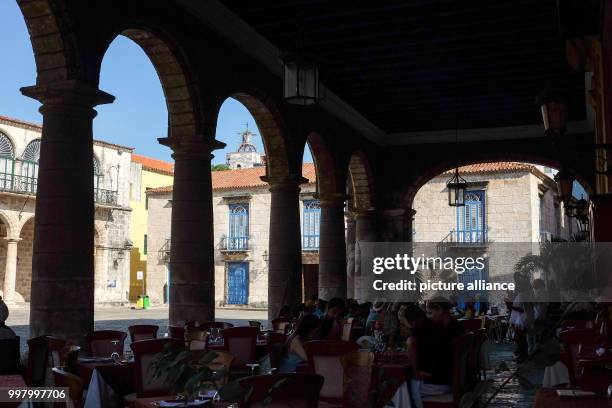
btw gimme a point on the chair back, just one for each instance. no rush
(347, 329)
(281, 324)
(100, 342)
(205, 325)
(38, 356)
(71, 356)
(241, 343)
(276, 348)
(254, 323)
(56, 349)
(324, 358)
(176, 332)
(143, 332)
(10, 358)
(281, 390)
(145, 351)
(471, 325)
(572, 340)
(196, 339)
(75, 386)
(358, 379)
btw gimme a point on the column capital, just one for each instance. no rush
(194, 148)
(12, 239)
(284, 183)
(364, 212)
(331, 199)
(67, 94)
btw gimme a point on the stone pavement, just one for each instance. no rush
(119, 318)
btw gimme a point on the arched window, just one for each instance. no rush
(32, 151)
(97, 173)
(29, 167)
(6, 162)
(238, 227)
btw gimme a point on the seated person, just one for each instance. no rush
(433, 352)
(414, 319)
(294, 354)
(334, 316)
(5, 331)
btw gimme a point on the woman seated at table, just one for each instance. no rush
(432, 352)
(308, 329)
(5, 331)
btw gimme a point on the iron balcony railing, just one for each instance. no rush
(234, 244)
(28, 185)
(466, 237)
(310, 242)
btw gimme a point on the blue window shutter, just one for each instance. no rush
(238, 237)
(237, 283)
(311, 224)
(471, 222)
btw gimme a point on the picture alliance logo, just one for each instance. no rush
(405, 262)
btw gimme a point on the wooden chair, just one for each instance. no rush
(471, 325)
(571, 341)
(10, 357)
(143, 332)
(100, 342)
(196, 339)
(176, 332)
(281, 324)
(75, 386)
(205, 325)
(358, 379)
(276, 348)
(281, 390)
(461, 355)
(145, 351)
(57, 349)
(241, 343)
(347, 329)
(254, 323)
(324, 358)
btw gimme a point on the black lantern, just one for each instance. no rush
(583, 223)
(300, 80)
(582, 208)
(456, 190)
(554, 112)
(565, 184)
(570, 208)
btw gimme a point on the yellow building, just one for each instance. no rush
(145, 173)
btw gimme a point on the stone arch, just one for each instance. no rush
(329, 179)
(177, 80)
(10, 223)
(440, 168)
(53, 42)
(278, 165)
(360, 181)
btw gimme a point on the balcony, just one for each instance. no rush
(310, 242)
(473, 237)
(164, 252)
(28, 184)
(234, 244)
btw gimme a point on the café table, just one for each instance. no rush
(151, 402)
(119, 376)
(390, 370)
(548, 398)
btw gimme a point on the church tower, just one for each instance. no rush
(246, 156)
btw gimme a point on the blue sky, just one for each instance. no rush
(136, 118)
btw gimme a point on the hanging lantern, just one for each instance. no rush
(570, 208)
(582, 208)
(583, 223)
(456, 190)
(554, 112)
(300, 80)
(565, 185)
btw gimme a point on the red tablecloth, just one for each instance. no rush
(120, 377)
(548, 398)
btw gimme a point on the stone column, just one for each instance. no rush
(285, 257)
(192, 282)
(350, 255)
(365, 231)
(397, 225)
(100, 273)
(601, 220)
(62, 299)
(332, 247)
(10, 271)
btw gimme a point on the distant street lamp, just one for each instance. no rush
(456, 190)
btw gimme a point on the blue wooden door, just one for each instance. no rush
(237, 283)
(471, 219)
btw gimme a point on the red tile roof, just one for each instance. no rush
(155, 165)
(494, 167)
(241, 178)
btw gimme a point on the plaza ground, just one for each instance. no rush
(119, 318)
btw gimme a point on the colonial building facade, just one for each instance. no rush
(19, 154)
